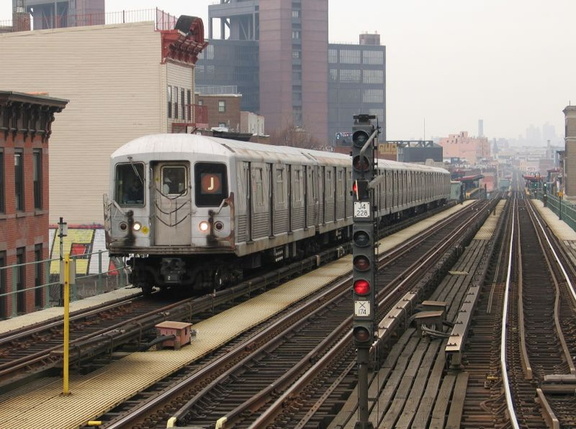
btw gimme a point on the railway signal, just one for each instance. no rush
(363, 254)
(363, 250)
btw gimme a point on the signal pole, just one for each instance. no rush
(363, 254)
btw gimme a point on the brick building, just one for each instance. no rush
(465, 147)
(223, 110)
(25, 128)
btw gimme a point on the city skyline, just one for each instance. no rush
(452, 63)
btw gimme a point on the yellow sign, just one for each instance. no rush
(387, 149)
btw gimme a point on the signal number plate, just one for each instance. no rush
(362, 308)
(361, 209)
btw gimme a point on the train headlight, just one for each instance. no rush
(137, 226)
(204, 226)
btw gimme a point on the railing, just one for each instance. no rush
(45, 288)
(565, 210)
(163, 20)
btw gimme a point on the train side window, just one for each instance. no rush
(174, 179)
(130, 184)
(211, 184)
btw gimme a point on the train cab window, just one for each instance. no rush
(174, 179)
(130, 184)
(211, 184)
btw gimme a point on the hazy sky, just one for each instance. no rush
(452, 62)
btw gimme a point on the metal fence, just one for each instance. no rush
(163, 20)
(565, 210)
(34, 286)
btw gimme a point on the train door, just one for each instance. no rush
(171, 218)
(249, 200)
(289, 179)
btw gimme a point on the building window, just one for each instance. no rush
(333, 56)
(349, 56)
(175, 95)
(189, 104)
(297, 115)
(183, 102)
(38, 277)
(295, 34)
(20, 279)
(169, 99)
(373, 57)
(221, 106)
(3, 286)
(296, 14)
(373, 96)
(19, 180)
(373, 76)
(295, 54)
(333, 75)
(350, 76)
(2, 181)
(208, 52)
(37, 159)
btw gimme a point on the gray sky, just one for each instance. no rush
(452, 62)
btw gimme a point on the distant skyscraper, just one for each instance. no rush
(480, 127)
(277, 53)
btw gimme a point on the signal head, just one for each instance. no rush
(361, 164)
(362, 334)
(361, 263)
(361, 238)
(362, 287)
(360, 137)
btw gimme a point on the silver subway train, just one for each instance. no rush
(193, 211)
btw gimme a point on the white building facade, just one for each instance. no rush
(123, 81)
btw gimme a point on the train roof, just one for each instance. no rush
(179, 143)
(169, 144)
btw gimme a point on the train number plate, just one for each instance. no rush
(361, 209)
(362, 308)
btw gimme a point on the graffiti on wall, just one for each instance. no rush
(84, 243)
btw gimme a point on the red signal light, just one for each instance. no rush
(361, 287)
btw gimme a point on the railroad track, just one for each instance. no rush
(521, 368)
(314, 358)
(127, 324)
(130, 323)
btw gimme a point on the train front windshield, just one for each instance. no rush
(211, 184)
(129, 189)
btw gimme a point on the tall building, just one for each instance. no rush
(570, 151)
(356, 84)
(277, 53)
